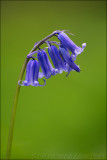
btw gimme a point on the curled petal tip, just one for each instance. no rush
(36, 83)
(41, 75)
(83, 45)
(21, 84)
(79, 50)
(43, 84)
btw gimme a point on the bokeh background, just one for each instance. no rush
(67, 117)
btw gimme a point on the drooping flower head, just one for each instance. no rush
(62, 56)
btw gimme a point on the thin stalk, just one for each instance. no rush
(10, 138)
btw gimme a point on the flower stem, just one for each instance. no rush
(10, 138)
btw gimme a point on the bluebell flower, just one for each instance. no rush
(67, 52)
(56, 58)
(64, 39)
(47, 69)
(32, 72)
(68, 59)
(61, 58)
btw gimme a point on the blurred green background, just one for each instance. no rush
(67, 117)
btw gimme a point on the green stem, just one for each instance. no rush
(10, 138)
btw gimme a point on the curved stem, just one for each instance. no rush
(10, 138)
(40, 43)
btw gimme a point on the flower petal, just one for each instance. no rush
(52, 70)
(43, 63)
(56, 58)
(69, 60)
(41, 75)
(27, 78)
(70, 44)
(36, 83)
(34, 71)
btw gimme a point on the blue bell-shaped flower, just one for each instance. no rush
(47, 69)
(64, 39)
(56, 58)
(32, 72)
(68, 59)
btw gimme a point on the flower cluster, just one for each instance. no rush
(61, 58)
